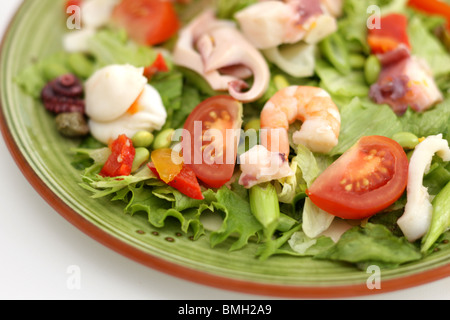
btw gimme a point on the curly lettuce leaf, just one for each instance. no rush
(352, 84)
(431, 122)
(238, 219)
(111, 47)
(365, 118)
(373, 244)
(158, 210)
(427, 46)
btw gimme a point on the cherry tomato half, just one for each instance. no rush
(148, 22)
(366, 179)
(210, 139)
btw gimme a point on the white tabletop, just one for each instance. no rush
(39, 250)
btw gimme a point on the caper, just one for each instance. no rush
(163, 139)
(72, 124)
(141, 157)
(407, 140)
(142, 139)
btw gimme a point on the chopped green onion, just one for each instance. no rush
(265, 207)
(440, 220)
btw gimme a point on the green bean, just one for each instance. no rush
(80, 65)
(254, 124)
(407, 140)
(141, 157)
(142, 139)
(335, 51)
(440, 220)
(372, 69)
(163, 139)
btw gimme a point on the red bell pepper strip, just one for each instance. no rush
(186, 182)
(393, 31)
(432, 7)
(120, 162)
(159, 65)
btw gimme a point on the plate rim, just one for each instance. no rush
(182, 272)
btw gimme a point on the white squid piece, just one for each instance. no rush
(259, 165)
(416, 220)
(270, 24)
(216, 50)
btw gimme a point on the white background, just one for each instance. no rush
(37, 246)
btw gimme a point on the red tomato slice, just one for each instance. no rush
(185, 181)
(148, 22)
(210, 139)
(393, 32)
(366, 179)
(120, 162)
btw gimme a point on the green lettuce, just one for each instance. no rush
(226, 9)
(364, 118)
(35, 76)
(431, 122)
(372, 244)
(427, 46)
(239, 219)
(113, 47)
(353, 84)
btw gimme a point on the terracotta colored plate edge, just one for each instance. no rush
(203, 278)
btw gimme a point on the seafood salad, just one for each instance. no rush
(313, 128)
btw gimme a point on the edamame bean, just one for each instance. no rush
(407, 140)
(280, 82)
(142, 139)
(372, 69)
(254, 124)
(357, 61)
(141, 157)
(163, 139)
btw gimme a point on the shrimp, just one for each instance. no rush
(311, 105)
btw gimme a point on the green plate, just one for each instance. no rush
(44, 158)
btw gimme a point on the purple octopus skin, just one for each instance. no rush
(64, 94)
